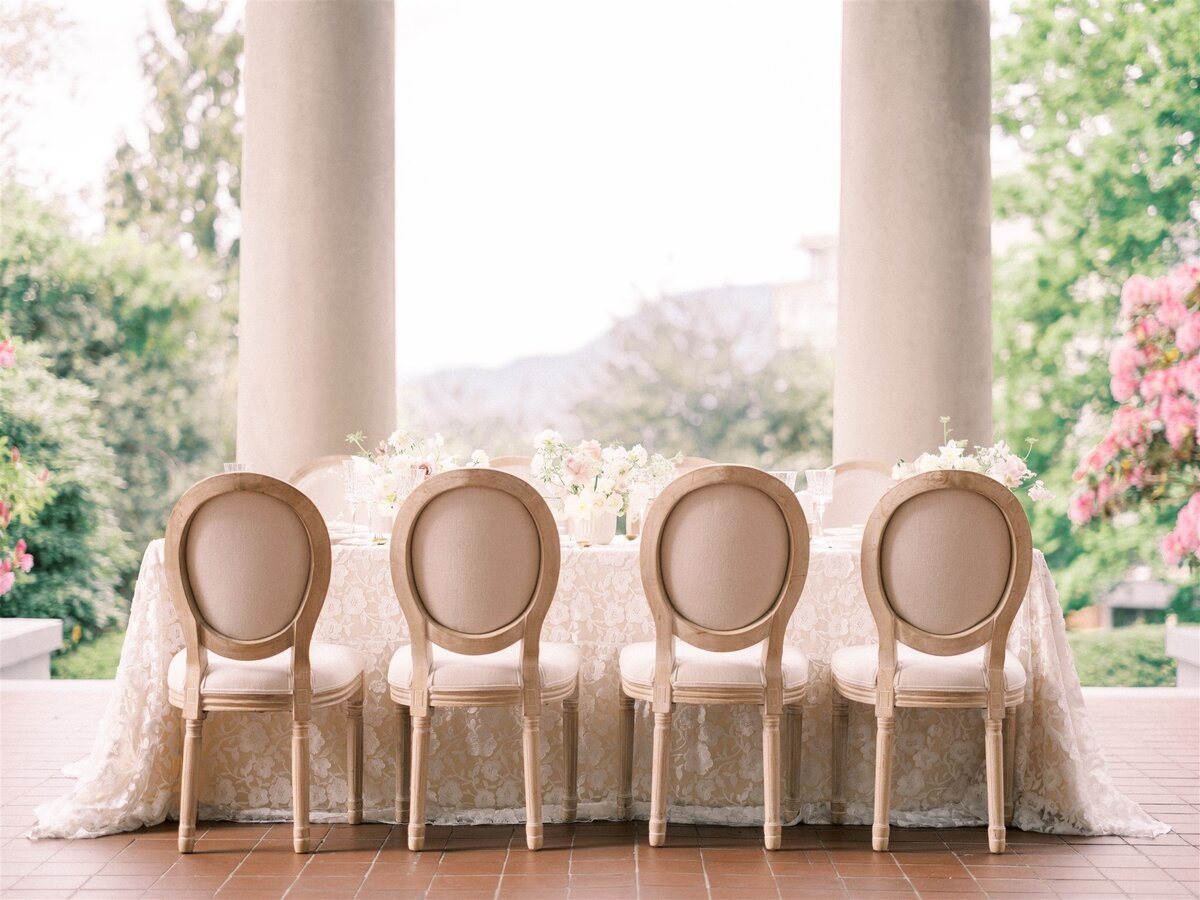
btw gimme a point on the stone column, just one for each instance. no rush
(316, 348)
(914, 276)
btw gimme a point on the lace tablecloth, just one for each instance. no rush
(131, 777)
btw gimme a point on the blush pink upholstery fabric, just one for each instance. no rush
(916, 671)
(696, 668)
(448, 671)
(333, 667)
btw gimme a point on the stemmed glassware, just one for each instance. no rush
(358, 490)
(820, 486)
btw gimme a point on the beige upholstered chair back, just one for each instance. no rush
(946, 561)
(516, 465)
(857, 487)
(475, 556)
(724, 556)
(323, 481)
(248, 562)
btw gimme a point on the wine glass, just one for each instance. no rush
(788, 478)
(820, 486)
(354, 494)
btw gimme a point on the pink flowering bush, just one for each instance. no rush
(23, 492)
(1150, 453)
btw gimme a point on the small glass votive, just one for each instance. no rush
(236, 467)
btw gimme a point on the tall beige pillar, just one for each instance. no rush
(317, 355)
(914, 276)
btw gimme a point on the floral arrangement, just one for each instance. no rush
(1150, 453)
(404, 460)
(592, 478)
(23, 493)
(997, 461)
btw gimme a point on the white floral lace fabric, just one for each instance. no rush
(131, 777)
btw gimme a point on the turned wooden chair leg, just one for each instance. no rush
(841, 723)
(793, 748)
(570, 724)
(354, 755)
(994, 758)
(189, 789)
(403, 774)
(1010, 765)
(660, 772)
(771, 781)
(420, 754)
(531, 748)
(625, 738)
(301, 832)
(880, 830)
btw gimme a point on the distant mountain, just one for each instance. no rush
(506, 406)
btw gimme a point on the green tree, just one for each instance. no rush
(1103, 99)
(184, 185)
(138, 325)
(79, 549)
(686, 378)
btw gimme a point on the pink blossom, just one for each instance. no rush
(578, 468)
(5, 513)
(1187, 337)
(591, 448)
(8, 355)
(43, 476)
(21, 558)
(16, 455)
(1135, 294)
(7, 579)
(1082, 508)
(1185, 539)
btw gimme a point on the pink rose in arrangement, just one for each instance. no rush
(1151, 451)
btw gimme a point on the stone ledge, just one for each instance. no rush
(26, 645)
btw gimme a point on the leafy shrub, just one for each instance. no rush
(79, 548)
(1123, 657)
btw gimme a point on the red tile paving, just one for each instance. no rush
(1152, 738)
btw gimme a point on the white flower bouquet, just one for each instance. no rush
(403, 461)
(998, 461)
(594, 479)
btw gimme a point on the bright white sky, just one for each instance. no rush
(555, 160)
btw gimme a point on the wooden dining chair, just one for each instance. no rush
(688, 463)
(945, 563)
(475, 558)
(723, 560)
(516, 465)
(857, 487)
(323, 481)
(248, 562)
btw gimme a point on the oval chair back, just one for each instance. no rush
(475, 558)
(724, 558)
(946, 561)
(248, 562)
(323, 481)
(857, 487)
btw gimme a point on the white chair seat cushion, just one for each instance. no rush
(333, 667)
(449, 671)
(917, 671)
(697, 668)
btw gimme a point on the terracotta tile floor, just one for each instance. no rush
(1152, 739)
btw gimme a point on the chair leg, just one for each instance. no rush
(301, 833)
(771, 780)
(570, 724)
(354, 755)
(189, 788)
(1010, 765)
(994, 757)
(660, 772)
(841, 723)
(793, 747)
(625, 799)
(418, 781)
(880, 831)
(402, 771)
(531, 746)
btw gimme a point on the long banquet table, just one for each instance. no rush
(1062, 782)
